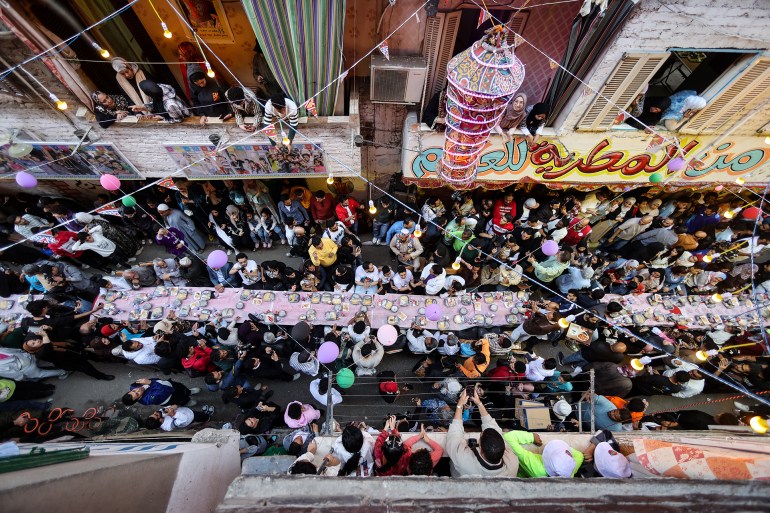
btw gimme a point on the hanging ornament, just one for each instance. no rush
(481, 82)
(110, 182)
(677, 164)
(384, 49)
(656, 177)
(26, 180)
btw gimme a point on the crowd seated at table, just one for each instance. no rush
(566, 250)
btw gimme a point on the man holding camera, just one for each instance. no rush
(487, 456)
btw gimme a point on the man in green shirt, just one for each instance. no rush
(460, 239)
(558, 459)
(552, 267)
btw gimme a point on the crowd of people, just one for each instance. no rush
(608, 246)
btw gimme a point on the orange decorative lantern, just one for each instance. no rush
(482, 80)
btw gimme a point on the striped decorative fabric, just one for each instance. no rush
(302, 42)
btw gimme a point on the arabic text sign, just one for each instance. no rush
(583, 158)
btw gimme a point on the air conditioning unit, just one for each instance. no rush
(398, 80)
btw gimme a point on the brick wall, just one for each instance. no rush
(652, 27)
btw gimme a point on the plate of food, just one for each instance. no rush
(184, 311)
(355, 299)
(367, 300)
(639, 319)
(6, 304)
(478, 319)
(403, 301)
(315, 298)
(326, 298)
(310, 316)
(387, 304)
(655, 299)
(489, 298)
(268, 296)
(293, 298)
(443, 325)
(331, 316)
(227, 313)
(207, 294)
(245, 295)
(466, 299)
(156, 313)
(450, 302)
(392, 320)
(512, 319)
(458, 319)
(240, 305)
(394, 308)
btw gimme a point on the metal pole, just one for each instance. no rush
(329, 423)
(593, 402)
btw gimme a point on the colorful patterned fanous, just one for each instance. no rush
(482, 80)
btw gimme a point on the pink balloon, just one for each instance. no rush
(328, 352)
(26, 180)
(677, 164)
(110, 182)
(719, 188)
(387, 335)
(433, 312)
(217, 259)
(550, 248)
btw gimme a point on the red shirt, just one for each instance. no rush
(575, 236)
(342, 212)
(399, 468)
(61, 239)
(501, 208)
(323, 209)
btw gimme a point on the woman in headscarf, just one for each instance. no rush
(684, 105)
(650, 115)
(110, 108)
(191, 61)
(624, 211)
(535, 121)
(127, 244)
(237, 228)
(164, 102)
(129, 77)
(514, 117)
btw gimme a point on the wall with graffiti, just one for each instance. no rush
(614, 157)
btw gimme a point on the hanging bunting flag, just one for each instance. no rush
(384, 49)
(168, 183)
(44, 238)
(311, 108)
(269, 131)
(109, 210)
(483, 16)
(655, 144)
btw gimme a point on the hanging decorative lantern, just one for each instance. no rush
(481, 82)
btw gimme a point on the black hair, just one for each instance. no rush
(223, 333)
(126, 346)
(479, 358)
(315, 241)
(614, 307)
(549, 364)
(303, 468)
(278, 100)
(597, 294)
(636, 405)
(401, 269)
(359, 327)
(420, 463)
(352, 441)
(323, 385)
(295, 449)
(210, 379)
(294, 410)
(229, 393)
(241, 255)
(162, 349)
(284, 197)
(519, 367)
(152, 423)
(385, 269)
(392, 450)
(128, 400)
(505, 342)
(366, 349)
(682, 376)
(492, 445)
(35, 308)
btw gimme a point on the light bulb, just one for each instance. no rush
(740, 180)
(372, 208)
(758, 424)
(61, 105)
(767, 139)
(563, 323)
(717, 298)
(729, 214)
(285, 139)
(103, 52)
(708, 259)
(209, 71)
(166, 32)
(456, 264)
(637, 364)
(418, 233)
(330, 180)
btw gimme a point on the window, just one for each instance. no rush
(732, 83)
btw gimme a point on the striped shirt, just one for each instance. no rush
(272, 115)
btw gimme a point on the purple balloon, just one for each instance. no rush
(26, 180)
(550, 248)
(433, 312)
(217, 259)
(677, 164)
(328, 352)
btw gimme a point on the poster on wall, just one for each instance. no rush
(55, 160)
(248, 160)
(208, 19)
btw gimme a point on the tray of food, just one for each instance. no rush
(227, 313)
(157, 313)
(293, 298)
(387, 304)
(403, 301)
(655, 299)
(392, 320)
(355, 299)
(450, 302)
(268, 296)
(367, 300)
(326, 298)
(443, 325)
(478, 319)
(331, 316)
(489, 298)
(337, 299)
(207, 294)
(245, 295)
(310, 315)
(315, 298)
(184, 311)
(458, 319)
